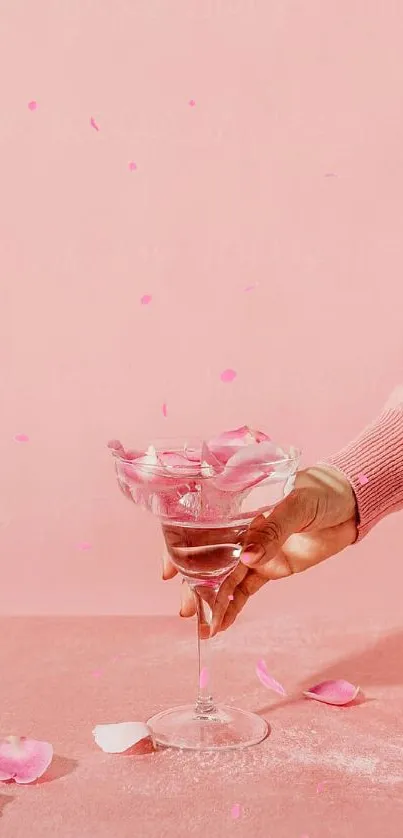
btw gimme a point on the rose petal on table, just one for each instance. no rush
(337, 692)
(267, 680)
(24, 760)
(118, 738)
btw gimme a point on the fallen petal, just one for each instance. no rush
(24, 760)
(229, 442)
(267, 680)
(333, 692)
(21, 438)
(118, 738)
(227, 376)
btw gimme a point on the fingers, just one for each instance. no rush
(188, 605)
(226, 591)
(266, 535)
(250, 585)
(168, 570)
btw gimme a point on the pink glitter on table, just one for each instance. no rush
(51, 693)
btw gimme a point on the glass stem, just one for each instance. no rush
(205, 596)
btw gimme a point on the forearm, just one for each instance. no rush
(373, 465)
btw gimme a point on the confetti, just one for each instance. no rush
(97, 673)
(267, 680)
(250, 287)
(24, 760)
(21, 438)
(333, 692)
(146, 299)
(204, 678)
(227, 376)
(320, 787)
(192, 103)
(32, 105)
(363, 479)
(118, 738)
(84, 545)
(164, 410)
(132, 166)
(235, 811)
(330, 174)
(94, 124)
(231, 597)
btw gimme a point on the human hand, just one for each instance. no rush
(315, 521)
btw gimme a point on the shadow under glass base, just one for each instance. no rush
(224, 729)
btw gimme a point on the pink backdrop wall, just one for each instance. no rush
(285, 174)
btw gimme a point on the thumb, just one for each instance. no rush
(266, 535)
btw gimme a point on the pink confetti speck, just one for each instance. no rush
(330, 174)
(21, 438)
(97, 673)
(363, 479)
(94, 124)
(192, 103)
(235, 811)
(227, 376)
(132, 166)
(320, 787)
(231, 597)
(146, 299)
(164, 410)
(32, 105)
(204, 678)
(84, 545)
(250, 287)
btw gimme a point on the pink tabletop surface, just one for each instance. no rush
(61, 676)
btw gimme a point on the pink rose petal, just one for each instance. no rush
(363, 479)
(146, 299)
(247, 467)
(32, 105)
(118, 738)
(21, 438)
(24, 760)
(267, 680)
(192, 103)
(132, 166)
(204, 678)
(94, 124)
(164, 410)
(229, 442)
(333, 692)
(227, 376)
(235, 810)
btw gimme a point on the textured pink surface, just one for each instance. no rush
(356, 753)
(373, 464)
(229, 194)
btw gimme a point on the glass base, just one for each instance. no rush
(224, 729)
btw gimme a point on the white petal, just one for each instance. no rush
(117, 738)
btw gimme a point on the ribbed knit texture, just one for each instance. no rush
(373, 465)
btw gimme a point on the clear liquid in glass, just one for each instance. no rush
(205, 555)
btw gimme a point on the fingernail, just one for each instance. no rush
(252, 555)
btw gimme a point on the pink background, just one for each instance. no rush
(287, 173)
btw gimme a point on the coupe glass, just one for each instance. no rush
(204, 524)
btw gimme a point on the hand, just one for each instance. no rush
(316, 521)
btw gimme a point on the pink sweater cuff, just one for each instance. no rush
(373, 465)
